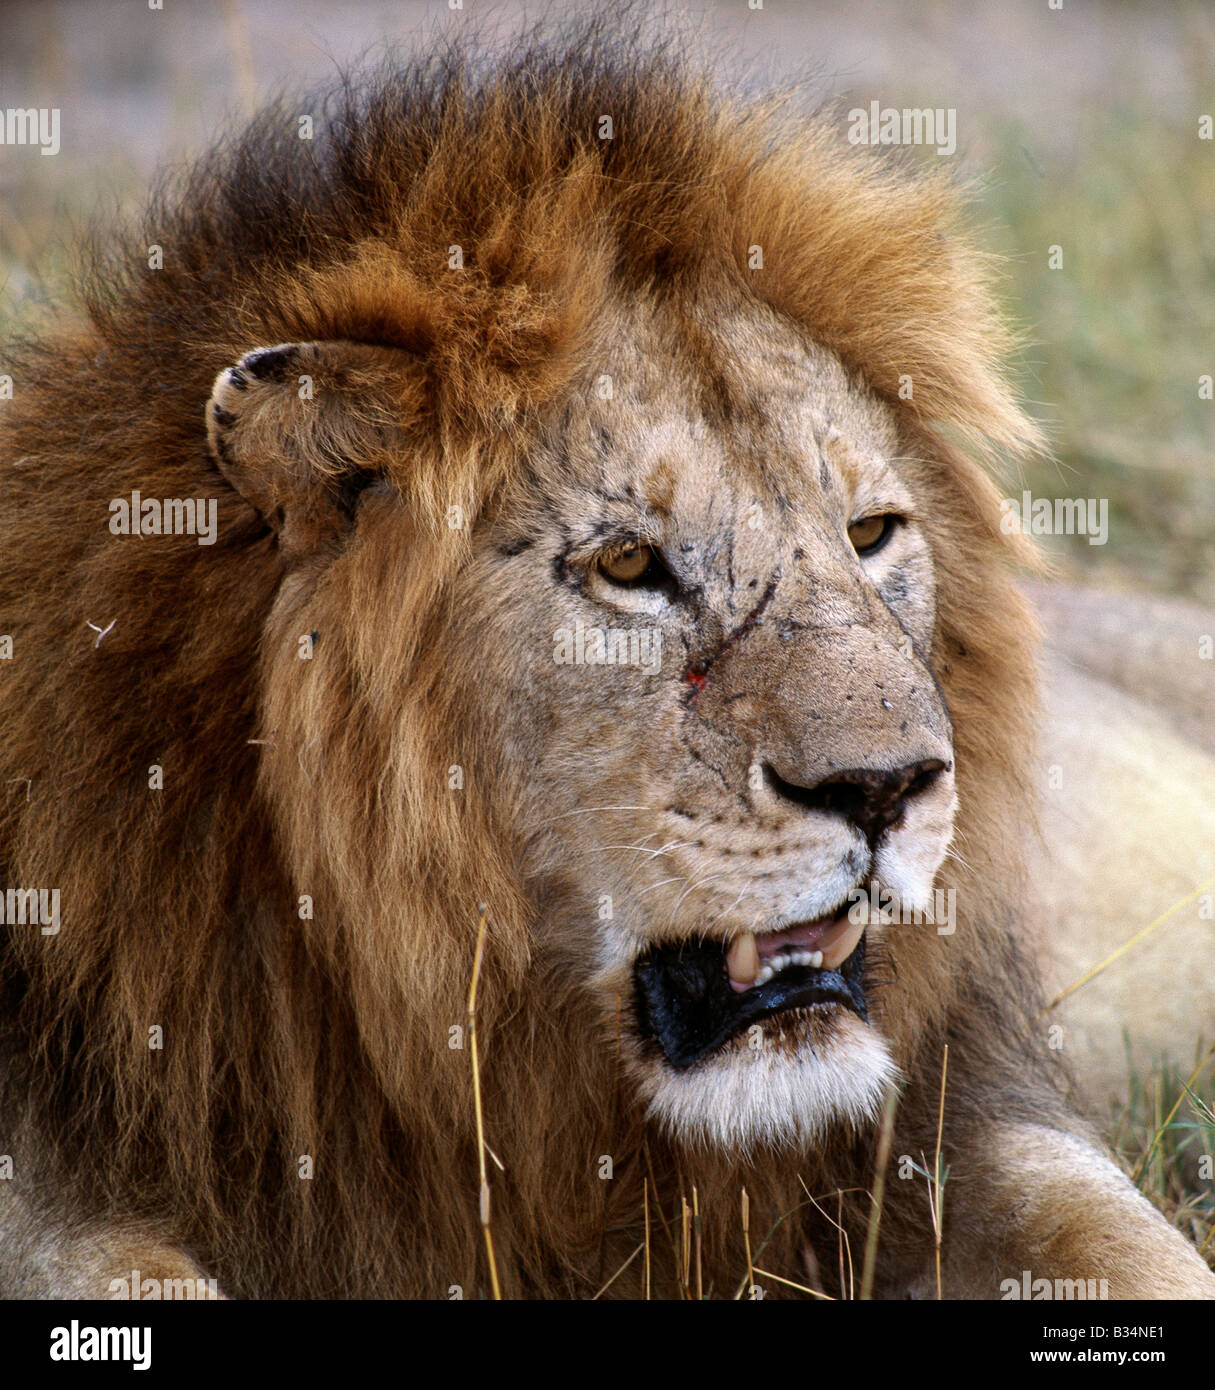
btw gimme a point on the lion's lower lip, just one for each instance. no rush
(686, 1005)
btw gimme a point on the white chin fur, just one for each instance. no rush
(749, 1098)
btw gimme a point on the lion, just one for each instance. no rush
(1126, 849)
(579, 786)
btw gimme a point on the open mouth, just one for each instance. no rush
(694, 997)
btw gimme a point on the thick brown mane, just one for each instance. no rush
(328, 1037)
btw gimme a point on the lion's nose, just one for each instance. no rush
(872, 799)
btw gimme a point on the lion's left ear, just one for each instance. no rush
(301, 429)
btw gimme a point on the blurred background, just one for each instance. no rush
(1079, 126)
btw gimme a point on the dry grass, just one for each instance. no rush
(1122, 334)
(1165, 1134)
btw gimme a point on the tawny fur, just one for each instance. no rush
(328, 1036)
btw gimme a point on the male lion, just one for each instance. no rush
(591, 561)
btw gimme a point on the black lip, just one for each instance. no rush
(685, 1003)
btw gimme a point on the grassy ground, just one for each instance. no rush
(1120, 336)
(1166, 1136)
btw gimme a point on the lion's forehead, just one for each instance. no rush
(743, 412)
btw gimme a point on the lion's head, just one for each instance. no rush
(698, 630)
(589, 549)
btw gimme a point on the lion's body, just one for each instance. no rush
(1127, 821)
(244, 1041)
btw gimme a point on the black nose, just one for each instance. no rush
(872, 799)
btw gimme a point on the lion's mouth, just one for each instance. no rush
(694, 997)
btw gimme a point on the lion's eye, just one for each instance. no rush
(635, 566)
(870, 533)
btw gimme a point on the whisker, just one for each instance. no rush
(590, 811)
(681, 878)
(953, 854)
(722, 913)
(691, 888)
(642, 848)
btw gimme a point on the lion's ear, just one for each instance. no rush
(301, 429)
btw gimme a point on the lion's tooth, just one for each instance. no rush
(742, 959)
(816, 960)
(842, 947)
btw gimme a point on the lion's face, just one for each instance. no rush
(721, 607)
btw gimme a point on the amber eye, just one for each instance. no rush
(870, 533)
(634, 564)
